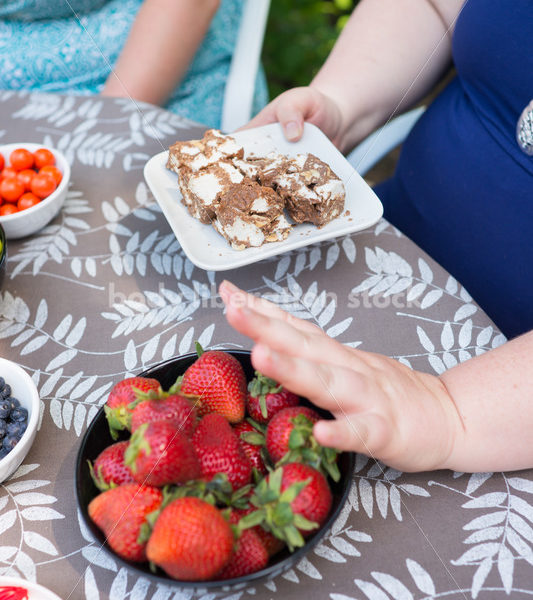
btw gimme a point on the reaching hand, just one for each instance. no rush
(301, 104)
(382, 408)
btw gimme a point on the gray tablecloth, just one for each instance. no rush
(105, 291)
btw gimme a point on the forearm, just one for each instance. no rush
(493, 394)
(160, 47)
(389, 55)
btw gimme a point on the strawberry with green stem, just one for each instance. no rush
(289, 438)
(121, 513)
(123, 394)
(159, 454)
(165, 406)
(266, 397)
(249, 555)
(109, 469)
(252, 439)
(291, 502)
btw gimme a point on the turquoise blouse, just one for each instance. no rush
(70, 46)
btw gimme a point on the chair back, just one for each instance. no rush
(240, 85)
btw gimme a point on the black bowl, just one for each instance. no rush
(97, 438)
(3, 255)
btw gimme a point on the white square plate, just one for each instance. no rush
(209, 250)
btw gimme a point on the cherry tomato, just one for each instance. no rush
(53, 171)
(42, 185)
(8, 172)
(21, 159)
(43, 157)
(27, 200)
(8, 209)
(11, 189)
(2, 161)
(25, 177)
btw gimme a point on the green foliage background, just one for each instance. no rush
(299, 36)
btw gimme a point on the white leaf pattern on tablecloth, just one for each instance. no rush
(161, 302)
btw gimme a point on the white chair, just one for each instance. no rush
(240, 85)
(373, 148)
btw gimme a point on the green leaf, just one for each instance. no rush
(332, 470)
(254, 438)
(293, 537)
(274, 480)
(252, 519)
(282, 514)
(199, 349)
(263, 406)
(293, 490)
(302, 523)
(297, 439)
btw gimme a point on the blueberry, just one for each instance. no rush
(15, 428)
(3, 428)
(19, 414)
(3, 452)
(15, 403)
(2, 383)
(5, 409)
(6, 391)
(9, 442)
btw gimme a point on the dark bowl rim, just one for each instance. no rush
(245, 580)
(3, 251)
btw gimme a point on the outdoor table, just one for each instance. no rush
(105, 291)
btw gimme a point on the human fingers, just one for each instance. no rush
(364, 432)
(281, 336)
(265, 116)
(331, 386)
(234, 297)
(291, 109)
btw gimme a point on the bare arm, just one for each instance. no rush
(389, 55)
(478, 416)
(160, 47)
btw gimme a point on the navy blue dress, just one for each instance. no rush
(463, 188)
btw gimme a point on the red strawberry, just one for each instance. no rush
(219, 451)
(313, 502)
(109, 469)
(191, 540)
(291, 502)
(289, 438)
(250, 555)
(253, 443)
(282, 425)
(217, 380)
(271, 543)
(173, 407)
(122, 394)
(266, 398)
(121, 513)
(159, 454)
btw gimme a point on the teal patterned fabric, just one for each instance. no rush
(70, 46)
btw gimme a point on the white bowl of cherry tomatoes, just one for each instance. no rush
(33, 186)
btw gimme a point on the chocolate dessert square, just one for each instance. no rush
(248, 214)
(311, 190)
(201, 189)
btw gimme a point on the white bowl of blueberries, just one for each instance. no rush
(19, 416)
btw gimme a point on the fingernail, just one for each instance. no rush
(226, 287)
(292, 131)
